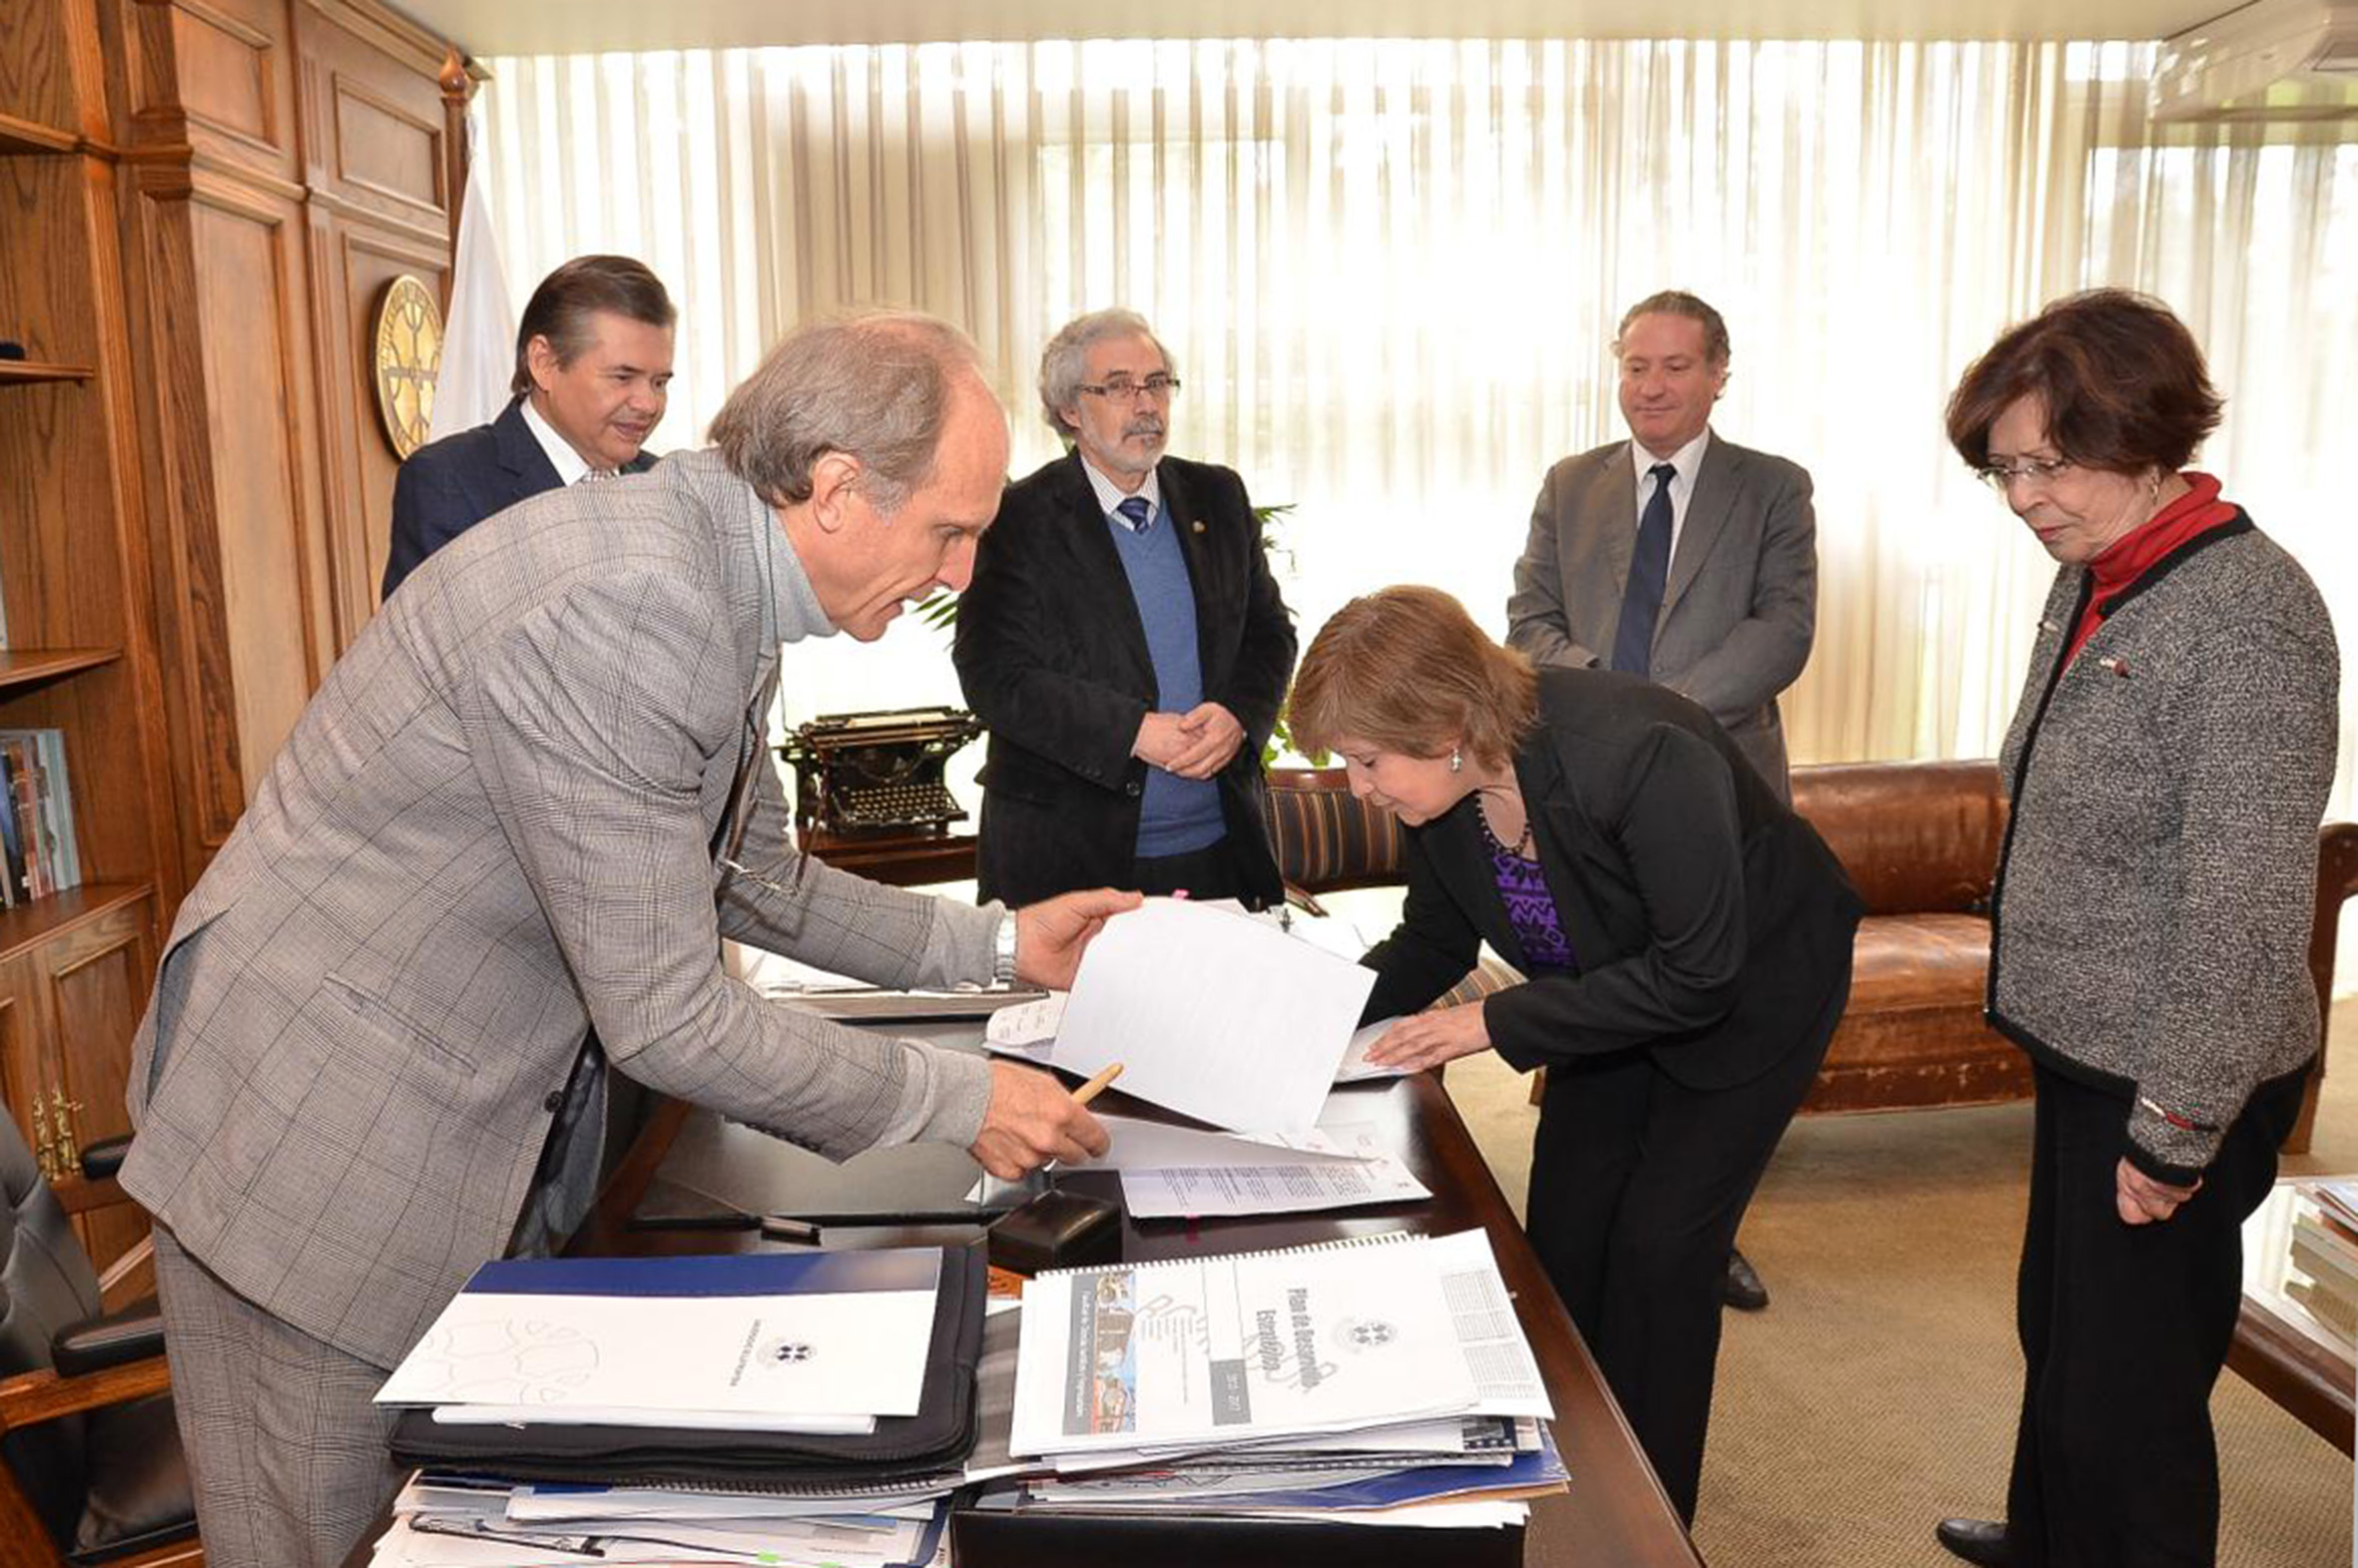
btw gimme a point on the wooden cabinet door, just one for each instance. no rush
(68, 1009)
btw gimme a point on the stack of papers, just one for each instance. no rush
(1182, 1172)
(1380, 1379)
(461, 1521)
(732, 1370)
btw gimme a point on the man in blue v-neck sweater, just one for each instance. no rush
(1125, 645)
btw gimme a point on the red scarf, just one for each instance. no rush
(2138, 551)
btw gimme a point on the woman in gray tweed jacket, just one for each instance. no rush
(2167, 767)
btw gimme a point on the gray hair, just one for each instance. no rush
(875, 386)
(1065, 360)
(1677, 301)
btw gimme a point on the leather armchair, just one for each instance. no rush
(92, 1470)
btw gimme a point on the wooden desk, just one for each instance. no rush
(1614, 1516)
(2287, 1344)
(910, 858)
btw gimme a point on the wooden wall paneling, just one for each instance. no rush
(227, 76)
(353, 259)
(131, 833)
(375, 142)
(190, 616)
(251, 312)
(36, 69)
(373, 123)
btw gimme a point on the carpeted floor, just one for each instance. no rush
(1877, 1393)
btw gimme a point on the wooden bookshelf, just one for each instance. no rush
(75, 567)
(19, 136)
(27, 373)
(29, 926)
(32, 666)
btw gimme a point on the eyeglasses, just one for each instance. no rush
(1124, 390)
(2001, 476)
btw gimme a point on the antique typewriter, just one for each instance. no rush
(864, 772)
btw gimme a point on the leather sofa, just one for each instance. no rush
(1921, 842)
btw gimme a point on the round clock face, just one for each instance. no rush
(406, 351)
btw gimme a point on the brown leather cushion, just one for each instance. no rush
(1914, 836)
(1913, 1032)
(1919, 962)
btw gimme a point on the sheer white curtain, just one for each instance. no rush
(1389, 271)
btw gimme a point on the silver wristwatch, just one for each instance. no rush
(1002, 953)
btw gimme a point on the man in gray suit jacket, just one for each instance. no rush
(530, 801)
(1677, 556)
(1729, 621)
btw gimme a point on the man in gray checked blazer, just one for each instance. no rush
(1733, 618)
(1679, 557)
(527, 803)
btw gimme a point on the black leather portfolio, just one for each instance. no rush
(935, 1439)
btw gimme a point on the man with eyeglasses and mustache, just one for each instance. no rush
(1125, 645)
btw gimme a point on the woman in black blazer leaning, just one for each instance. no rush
(1687, 941)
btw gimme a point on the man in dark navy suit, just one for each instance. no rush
(593, 370)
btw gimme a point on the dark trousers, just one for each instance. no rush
(2124, 1328)
(1638, 1185)
(1209, 872)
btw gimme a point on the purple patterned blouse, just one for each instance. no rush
(1530, 907)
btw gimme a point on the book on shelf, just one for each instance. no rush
(38, 856)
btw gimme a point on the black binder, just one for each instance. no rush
(902, 1447)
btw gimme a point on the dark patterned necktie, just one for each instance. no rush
(1649, 569)
(1135, 510)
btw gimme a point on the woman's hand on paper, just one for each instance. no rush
(1429, 1039)
(1050, 934)
(1033, 1119)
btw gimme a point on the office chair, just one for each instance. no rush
(92, 1470)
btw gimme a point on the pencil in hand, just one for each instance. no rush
(1096, 1086)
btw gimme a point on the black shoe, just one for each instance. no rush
(1980, 1541)
(1742, 1289)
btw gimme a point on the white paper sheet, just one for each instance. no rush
(1027, 1028)
(1213, 1192)
(1223, 1018)
(1176, 1172)
(1355, 1068)
(856, 1354)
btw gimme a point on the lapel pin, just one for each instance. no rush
(1199, 528)
(2118, 666)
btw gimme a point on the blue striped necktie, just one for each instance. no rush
(1135, 510)
(1649, 569)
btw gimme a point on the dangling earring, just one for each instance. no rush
(1456, 761)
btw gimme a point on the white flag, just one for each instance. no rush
(479, 336)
